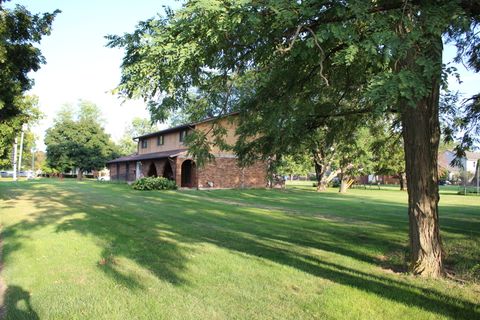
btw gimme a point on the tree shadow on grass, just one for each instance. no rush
(17, 304)
(159, 231)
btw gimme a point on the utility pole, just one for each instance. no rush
(33, 161)
(14, 160)
(21, 148)
(478, 173)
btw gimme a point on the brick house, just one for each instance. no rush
(164, 154)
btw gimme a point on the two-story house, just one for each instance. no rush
(164, 154)
(468, 163)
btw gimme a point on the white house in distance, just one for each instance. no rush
(468, 163)
(471, 160)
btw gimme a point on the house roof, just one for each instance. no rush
(444, 162)
(148, 156)
(173, 129)
(183, 126)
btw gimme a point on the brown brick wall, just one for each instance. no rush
(389, 180)
(225, 173)
(229, 124)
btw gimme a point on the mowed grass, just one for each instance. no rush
(89, 250)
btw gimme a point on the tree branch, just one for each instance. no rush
(322, 55)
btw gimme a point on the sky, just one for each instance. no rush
(79, 66)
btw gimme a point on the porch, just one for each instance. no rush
(173, 165)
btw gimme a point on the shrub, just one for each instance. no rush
(154, 183)
(335, 184)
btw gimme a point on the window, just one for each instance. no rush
(144, 143)
(183, 134)
(160, 140)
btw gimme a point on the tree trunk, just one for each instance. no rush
(322, 184)
(421, 134)
(80, 175)
(320, 169)
(401, 179)
(343, 183)
(320, 175)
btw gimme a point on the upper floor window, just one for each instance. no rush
(144, 143)
(183, 134)
(160, 140)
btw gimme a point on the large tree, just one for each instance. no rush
(78, 141)
(280, 62)
(20, 33)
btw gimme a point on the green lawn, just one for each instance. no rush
(94, 250)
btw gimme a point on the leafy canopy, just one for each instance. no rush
(20, 32)
(79, 141)
(287, 66)
(9, 128)
(137, 128)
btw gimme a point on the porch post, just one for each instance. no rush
(138, 169)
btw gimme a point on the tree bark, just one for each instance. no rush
(343, 183)
(320, 175)
(80, 175)
(421, 134)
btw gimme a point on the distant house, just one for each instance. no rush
(467, 163)
(164, 154)
(470, 161)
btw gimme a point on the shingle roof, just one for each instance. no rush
(148, 156)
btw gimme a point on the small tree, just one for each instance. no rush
(388, 152)
(295, 164)
(9, 128)
(353, 155)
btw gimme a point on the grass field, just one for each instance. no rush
(94, 250)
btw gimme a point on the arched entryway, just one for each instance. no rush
(168, 172)
(152, 170)
(188, 174)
